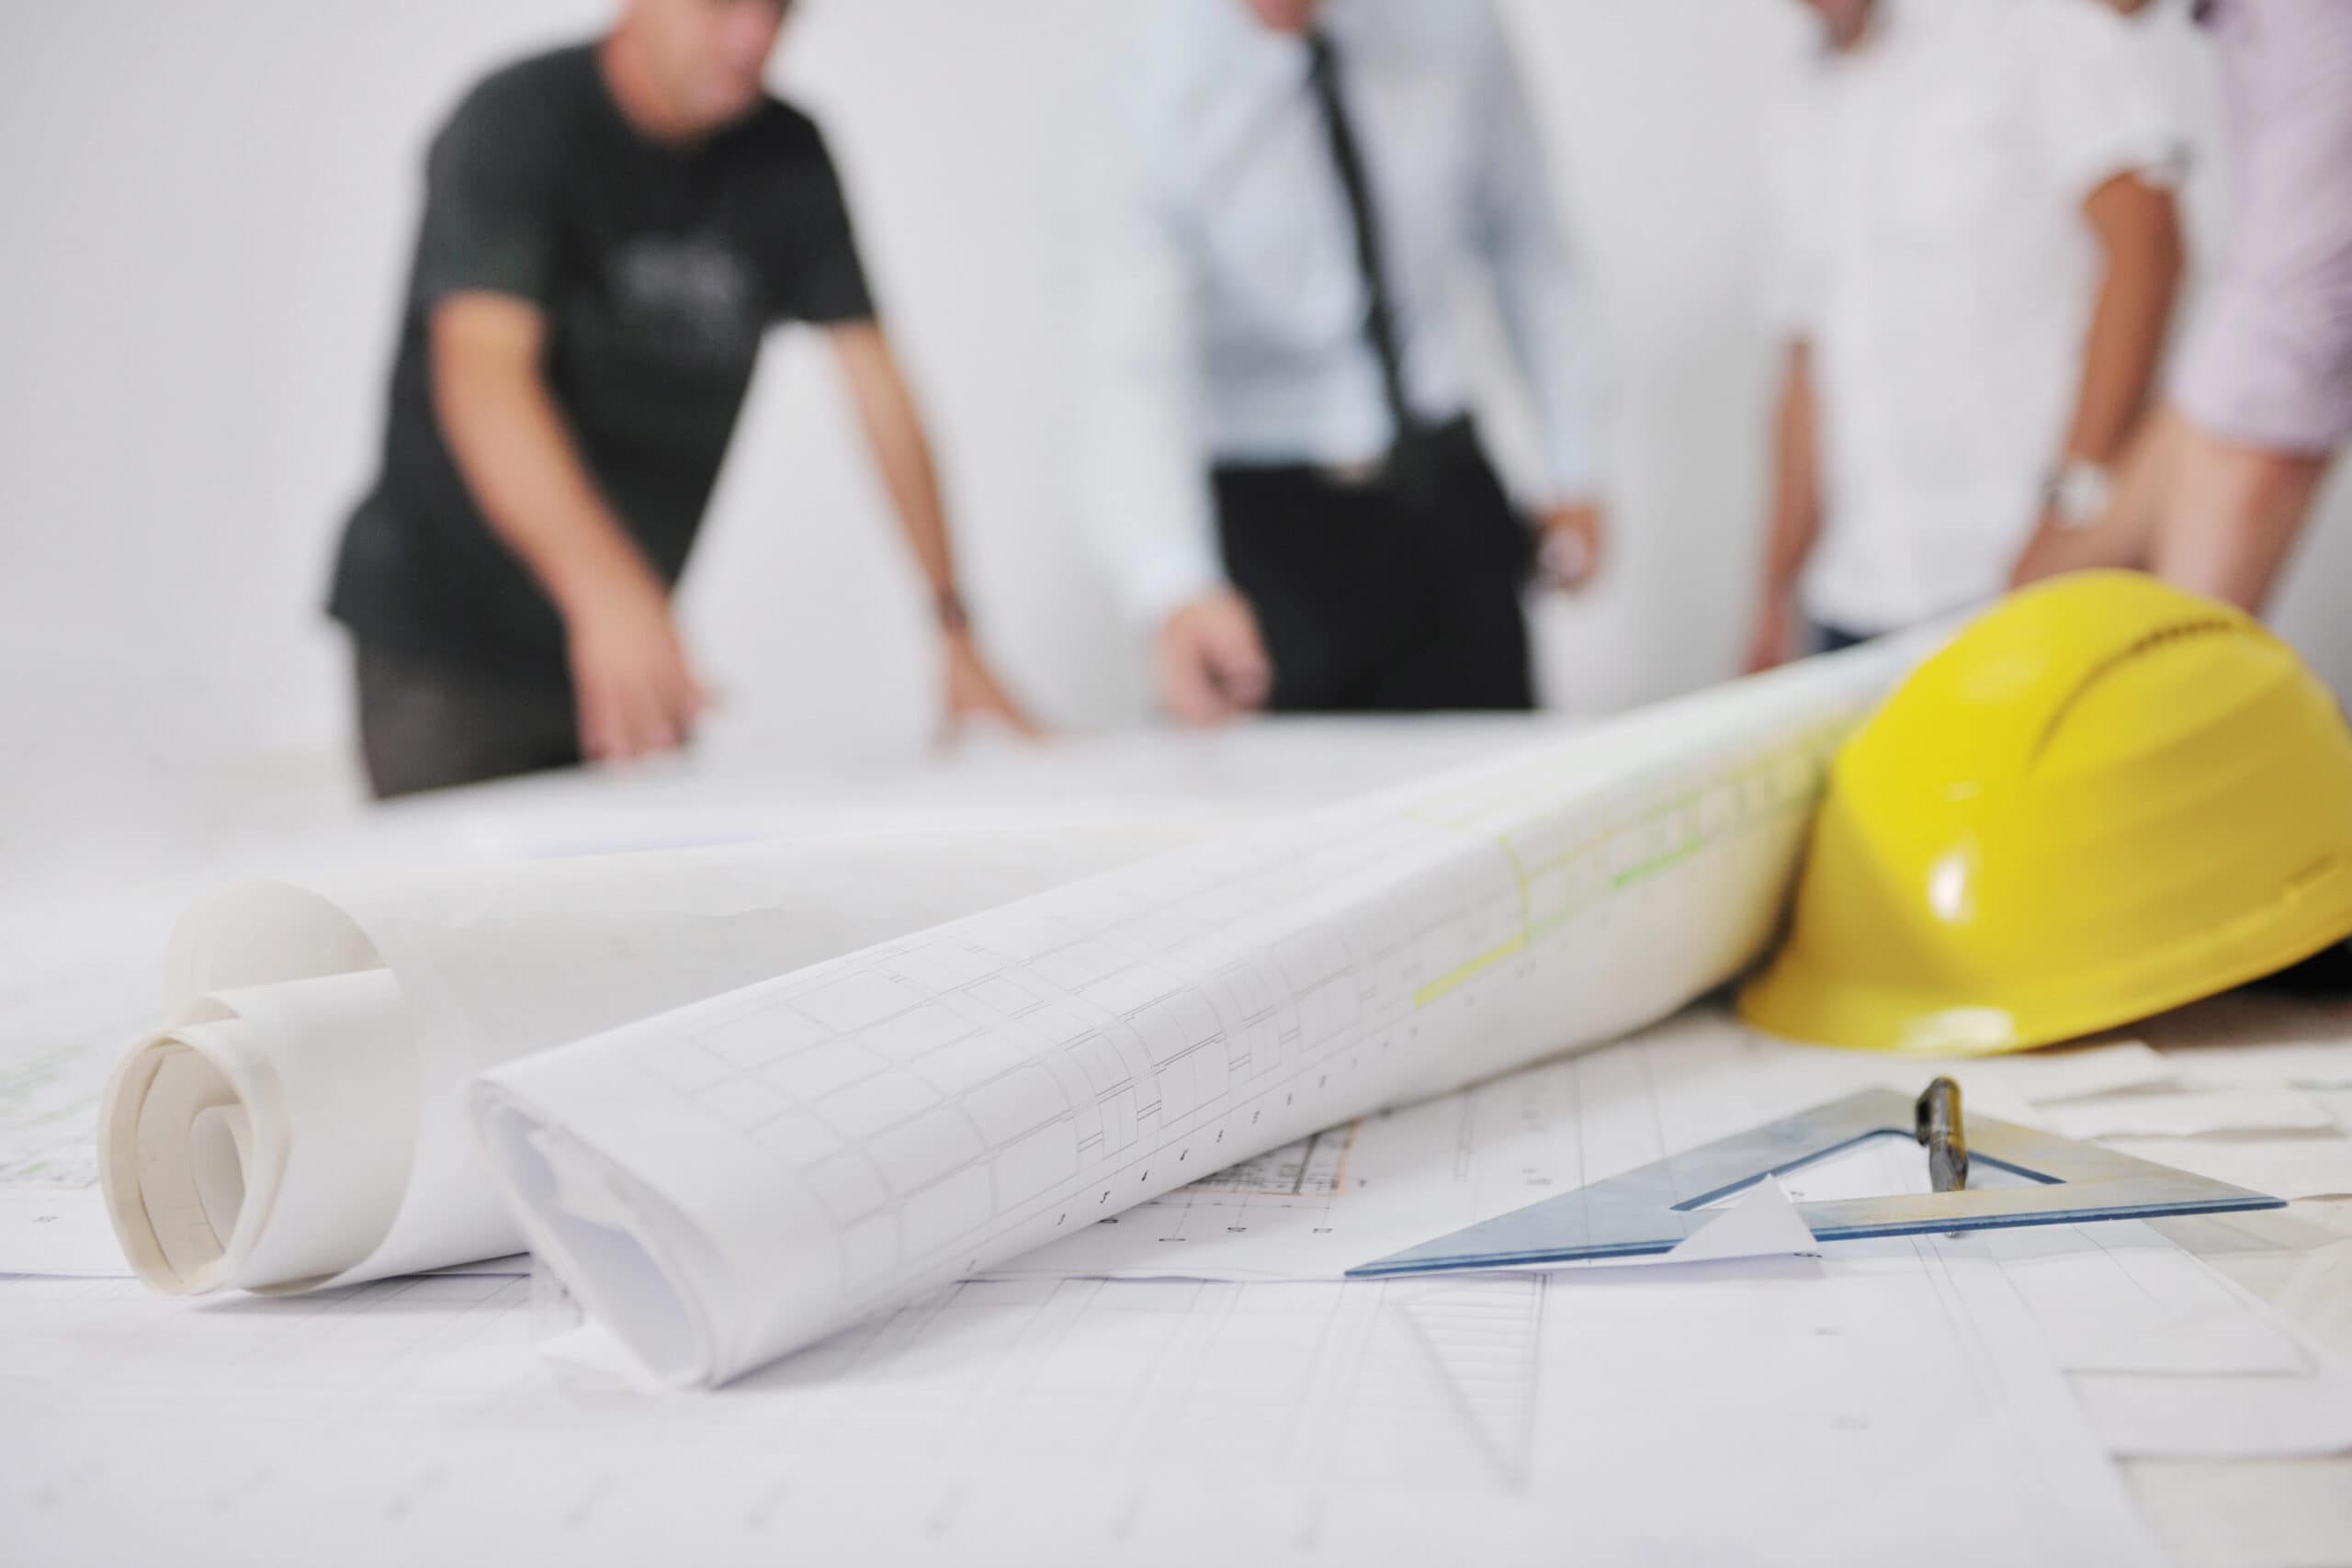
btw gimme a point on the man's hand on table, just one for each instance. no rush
(1210, 664)
(1568, 547)
(973, 692)
(635, 687)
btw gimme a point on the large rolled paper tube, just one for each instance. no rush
(296, 1121)
(727, 1183)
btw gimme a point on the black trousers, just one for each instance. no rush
(425, 725)
(1828, 638)
(1387, 596)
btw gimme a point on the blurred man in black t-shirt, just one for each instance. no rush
(608, 231)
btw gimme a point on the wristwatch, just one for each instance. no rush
(2077, 493)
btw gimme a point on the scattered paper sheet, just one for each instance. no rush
(57, 1231)
(2311, 1065)
(1760, 1222)
(2171, 1359)
(2250, 1514)
(2119, 1297)
(1074, 1421)
(2285, 1165)
(2056, 1074)
(2191, 1114)
(2221, 1418)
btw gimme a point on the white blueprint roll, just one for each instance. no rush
(731, 1181)
(297, 1120)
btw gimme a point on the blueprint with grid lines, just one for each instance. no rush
(734, 1179)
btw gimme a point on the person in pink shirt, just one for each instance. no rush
(2221, 476)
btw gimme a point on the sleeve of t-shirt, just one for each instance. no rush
(815, 270)
(490, 200)
(1795, 265)
(2102, 109)
(2270, 364)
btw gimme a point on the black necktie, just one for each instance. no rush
(1380, 316)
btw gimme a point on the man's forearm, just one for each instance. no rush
(2127, 331)
(538, 499)
(2232, 517)
(2139, 236)
(894, 432)
(886, 412)
(1796, 492)
(1795, 518)
(633, 688)
(2260, 396)
(518, 459)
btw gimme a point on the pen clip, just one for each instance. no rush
(1937, 1124)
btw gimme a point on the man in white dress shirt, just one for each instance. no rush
(1276, 453)
(1978, 254)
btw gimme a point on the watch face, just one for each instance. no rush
(2079, 493)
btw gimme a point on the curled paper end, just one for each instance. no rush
(584, 1354)
(176, 1139)
(585, 1221)
(219, 1151)
(263, 1144)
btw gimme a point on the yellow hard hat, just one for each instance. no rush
(2104, 798)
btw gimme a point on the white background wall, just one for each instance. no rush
(205, 214)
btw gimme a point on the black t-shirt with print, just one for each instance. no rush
(658, 270)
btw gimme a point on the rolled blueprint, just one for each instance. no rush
(727, 1182)
(298, 1121)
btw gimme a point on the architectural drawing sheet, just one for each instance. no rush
(297, 1120)
(74, 987)
(1507, 1421)
(738, 1178)
(1377, 1184)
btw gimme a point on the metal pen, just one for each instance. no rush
(1937, 1124)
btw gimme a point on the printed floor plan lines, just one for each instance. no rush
(1315, 1167)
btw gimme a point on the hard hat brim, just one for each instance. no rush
(1797, 997)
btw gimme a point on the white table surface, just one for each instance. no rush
(80, 955)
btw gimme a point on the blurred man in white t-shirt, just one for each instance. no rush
(1975, 259)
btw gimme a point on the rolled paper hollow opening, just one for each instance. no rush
(581, 1225)
(263, 1144)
